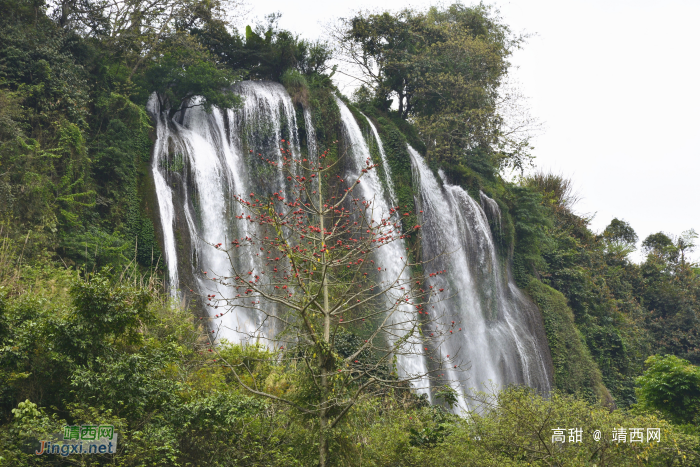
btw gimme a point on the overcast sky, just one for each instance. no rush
(616, 84)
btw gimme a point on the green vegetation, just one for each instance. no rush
(625, 312)
(575, 372)
(105, 350)
(87, 333)
(444, 68)
(142, 365)
(672, 386)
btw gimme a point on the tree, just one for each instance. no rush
(661, 245)
(186, 76)
(620, 238)
(686, 243)
(347, 335)
(270, 51)
(444, 67)
(620, 231)
(671, 385)
(381, 45)
(135, 31)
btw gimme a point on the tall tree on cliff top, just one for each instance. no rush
(445, 68)
(347, 335)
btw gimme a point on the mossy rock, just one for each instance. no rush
(575, 371)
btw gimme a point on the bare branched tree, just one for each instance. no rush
(348, 335)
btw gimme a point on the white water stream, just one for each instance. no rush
(498, 340)
(200, 164)
(411, 364)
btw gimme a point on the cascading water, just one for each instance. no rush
(310, 135)
(385, 162)
(202, 162)
(492, 210)
(412, 364)
(164, 194)
(502, 339)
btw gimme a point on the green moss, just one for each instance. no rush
(296, 85)
(325, 116)
(575, 371)
(145, 218)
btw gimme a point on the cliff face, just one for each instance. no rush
(202, 160)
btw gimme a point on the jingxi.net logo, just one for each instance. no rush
(83, 439)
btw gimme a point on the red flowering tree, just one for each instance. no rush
(348, 330)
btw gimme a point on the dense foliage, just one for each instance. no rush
(88, 335)
(443, 68)
(144, 367)
(624, 311)
(74, 142)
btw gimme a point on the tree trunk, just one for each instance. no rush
(323, 441)
(63, 19)
(324, 358)
(408, 106)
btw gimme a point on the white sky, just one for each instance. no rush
(616, 84)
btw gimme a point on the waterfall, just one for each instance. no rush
(501, 338)
(492, 210)
(164, 195)
(267, 117)
(310, 135)
(385, 162)
(214, 168)
(202, 160)
(412, 364)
